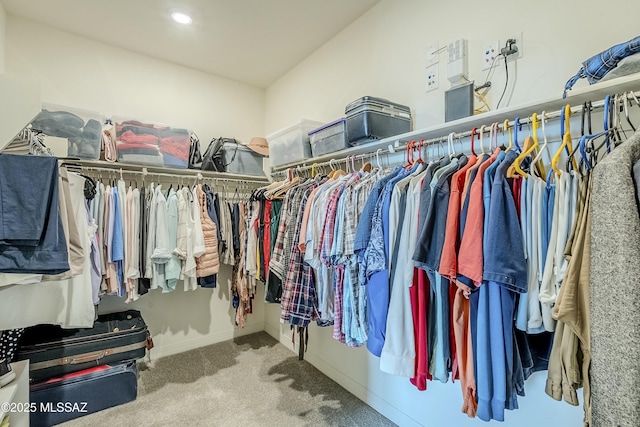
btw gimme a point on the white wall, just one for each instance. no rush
(79, 72)
(382, 54)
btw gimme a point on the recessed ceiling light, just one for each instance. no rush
(181, 18)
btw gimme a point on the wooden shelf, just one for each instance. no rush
(575, 97)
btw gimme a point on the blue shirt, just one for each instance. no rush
(117, 248)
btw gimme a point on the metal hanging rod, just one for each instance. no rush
(198, 175)
(441, 139)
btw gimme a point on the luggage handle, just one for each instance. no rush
(86, 357)
(89, 357)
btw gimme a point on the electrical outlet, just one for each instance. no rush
(433, 78)
(432, 55)
(518, 44)
(489, 53)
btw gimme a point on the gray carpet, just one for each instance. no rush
(249, 381)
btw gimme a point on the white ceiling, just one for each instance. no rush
(251, 41)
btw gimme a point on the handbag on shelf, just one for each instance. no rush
(108, 148)
(195, 155)
(213, 158)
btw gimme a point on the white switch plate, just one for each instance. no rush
(489, 53)
(433, 78)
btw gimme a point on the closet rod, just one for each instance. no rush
(550, 115)
(145, 172)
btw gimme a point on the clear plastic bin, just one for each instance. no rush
(291, 144)
(82, 129)
(329, 138)
(152, 144)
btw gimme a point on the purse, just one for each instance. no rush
(195, 156)
(214, 158)
(108, 147)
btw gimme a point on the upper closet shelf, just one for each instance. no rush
(576, 97)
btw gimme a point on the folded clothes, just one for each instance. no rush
(177, 146)
(130, 137)
(135, 149)
(138, 130)
(173, 132)
(124, 146)
(61, 124)
(142, 159)
(174, 162)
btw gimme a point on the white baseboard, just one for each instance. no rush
(352, 386)
(191, 344)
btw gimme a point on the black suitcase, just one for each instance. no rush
(370, 119)
(53, 351)
(81, 393)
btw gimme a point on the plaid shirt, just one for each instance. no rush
(299, 302)
(276, 264)
(596, 67)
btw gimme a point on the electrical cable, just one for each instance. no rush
(506, 82)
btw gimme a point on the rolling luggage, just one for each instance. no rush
(53, 351)
(75, 395)
(370, 119)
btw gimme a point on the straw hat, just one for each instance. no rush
(259, 145)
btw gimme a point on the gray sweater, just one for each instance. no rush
(615, 276)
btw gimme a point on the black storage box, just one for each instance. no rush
(53, 351)
(81, 393)
(370, 119)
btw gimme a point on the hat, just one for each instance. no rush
(259, 145)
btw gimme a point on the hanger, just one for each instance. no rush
(378, 158)
(566, 141)
(473, 135)
(516, 128)
(452, 150)
(542, 149)
(482, 139)
(530, 144)
(506, 128)
(626, 110)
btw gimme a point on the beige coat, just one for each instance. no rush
(209, 263)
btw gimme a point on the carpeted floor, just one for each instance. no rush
(249, 381)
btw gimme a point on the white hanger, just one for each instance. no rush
(544, 136)
(482, 128)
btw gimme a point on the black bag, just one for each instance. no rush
(195, 156)
(82, 393)
(54, 351)
(214, 158)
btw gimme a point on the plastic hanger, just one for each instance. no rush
(482, 139)
(626, 110)
(542, 149)
(452, 149)
(506, 128)
(472, 140)
(516, 128)
(378, 158)
(531, 143)
(566, 140)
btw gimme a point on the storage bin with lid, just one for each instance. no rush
(152, 144)
(291, 144)
(242, 160)
(329, 138)
(81, 129)
(370, 119)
